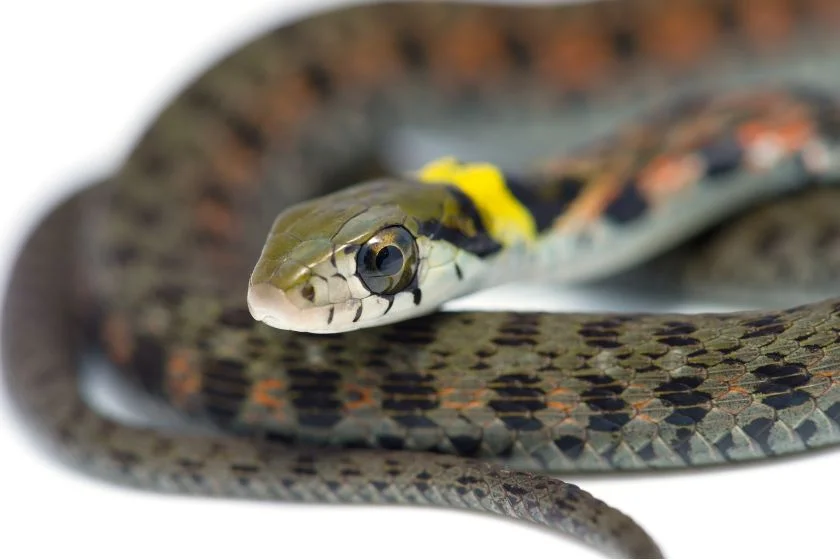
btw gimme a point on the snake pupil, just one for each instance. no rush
(389, 260)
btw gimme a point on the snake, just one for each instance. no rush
(255, 264)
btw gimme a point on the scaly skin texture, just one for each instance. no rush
(165, 248)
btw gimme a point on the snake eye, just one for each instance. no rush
(387, 262)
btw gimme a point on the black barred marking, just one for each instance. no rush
(690, 405)
(417, 295)
(520, 396)
(358, 314)
(481, 244)
(331, 315)
(628, 206)
(458, 272)
(316, 396)
(409, 392)
(545, 202)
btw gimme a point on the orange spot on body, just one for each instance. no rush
(678, 33)
(359, 397)
(216, 218)
(578, 58)
(769, 141)
(669, 174)
(768, 23)
(118, 338)
(183, 379)
(459, 399)
(469, 51)
(261, 392)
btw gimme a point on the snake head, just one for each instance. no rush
(374, 254)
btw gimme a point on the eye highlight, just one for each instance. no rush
(387, 262)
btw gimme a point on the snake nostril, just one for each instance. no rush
(308, 292)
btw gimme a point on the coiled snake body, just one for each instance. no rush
(445, 408)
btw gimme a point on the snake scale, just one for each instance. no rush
(454, 409)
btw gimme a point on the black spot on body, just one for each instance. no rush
(545, 202)
(806, 430)
(319, 79)
(413, 52)
(467, 446)
(414, 421)
(791, 375)
(571, 446)
(604, 399)
(628, 206)
(686, 416)
(769, 330)
(624, 44)
(725, 444)
(390, 442)
(679, 341)
(646, 453)
(237, 317)
(608, 422)
(722, 157)
(170, 294)
(247, 133)
(515, 490)
(833, 412)
(781, 397)
(148, 362)
(123, 255)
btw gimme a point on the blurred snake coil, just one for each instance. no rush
(615, 131)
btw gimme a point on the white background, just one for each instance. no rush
(80, 79)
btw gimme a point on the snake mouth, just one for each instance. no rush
(273, 307)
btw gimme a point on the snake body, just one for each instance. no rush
(454, 409)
